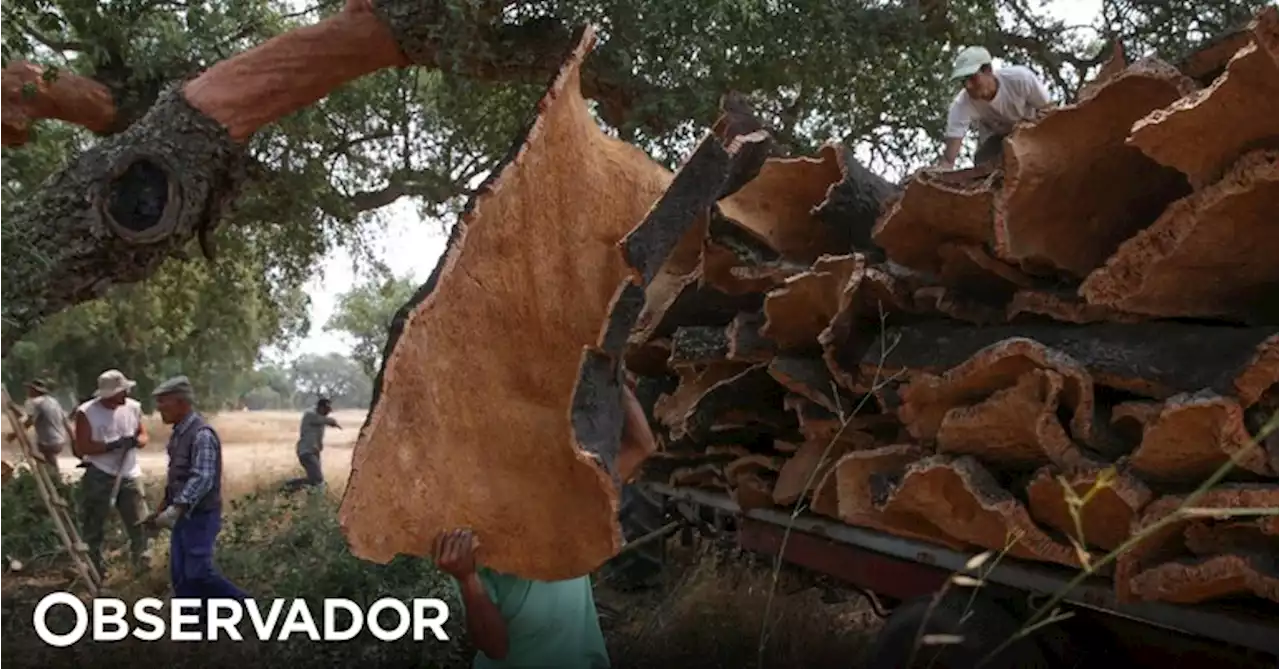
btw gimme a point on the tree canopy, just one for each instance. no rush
(869, 73)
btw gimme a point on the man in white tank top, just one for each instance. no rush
(109, 431)
(993, 100)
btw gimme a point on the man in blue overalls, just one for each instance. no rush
(192, 506)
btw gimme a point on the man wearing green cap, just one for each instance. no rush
(993, 100)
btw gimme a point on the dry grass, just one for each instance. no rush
(709, 614)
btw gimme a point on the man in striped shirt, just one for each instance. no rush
(192, 506)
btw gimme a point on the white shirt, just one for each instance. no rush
(1018, 97)
(109, 425)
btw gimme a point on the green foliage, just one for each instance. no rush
(866, 72)
(365, 312)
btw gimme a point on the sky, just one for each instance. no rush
(411, 246)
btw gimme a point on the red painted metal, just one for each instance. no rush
(865, 569)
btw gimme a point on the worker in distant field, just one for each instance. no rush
(192, 506)
(520, 623)
(46, 415)
(993, 100)
(311, 442)
(109, 431)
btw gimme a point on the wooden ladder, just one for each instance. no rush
(59, 508)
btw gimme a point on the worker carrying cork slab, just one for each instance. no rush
(518, 622)
(994, 100)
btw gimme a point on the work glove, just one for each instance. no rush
(122, 443)
(168, 517)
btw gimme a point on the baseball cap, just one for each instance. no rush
(970, 60)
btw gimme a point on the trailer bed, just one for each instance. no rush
(903, 568)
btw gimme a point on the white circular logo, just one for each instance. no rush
(60, 640)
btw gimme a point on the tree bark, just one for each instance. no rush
(118, 210)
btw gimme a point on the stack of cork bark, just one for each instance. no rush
(1044, 355)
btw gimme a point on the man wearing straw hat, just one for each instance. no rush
(109, 431)
(192, 506)
(46, 415)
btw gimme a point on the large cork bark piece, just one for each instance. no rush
(487, 438)
(1211, 254)
(864, 479)
(1073, 190)
(1015, 428)
(964, 501)
(927, 399)
(778, 205)
(803, 306)
(1202, 134)
(1207, 579)
(1107, 515)
(937, 208)
(1164, 539)
(1194, 435)
(1156, 359)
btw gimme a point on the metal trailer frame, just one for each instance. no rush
(904, 568)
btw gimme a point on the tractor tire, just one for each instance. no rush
(986, 627)
(639, 513)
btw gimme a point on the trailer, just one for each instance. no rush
(901, 577)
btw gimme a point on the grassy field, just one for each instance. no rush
(708, 612)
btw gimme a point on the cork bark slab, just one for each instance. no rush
(956, 305)
(751, 396)
(864, 478)
(1107, 516)
(927, 399)
(746, 344)
(1201, 134)
(1015, 428)
(1155, 359)
(661, 467)
(1193, 436)
(1208, 62)
(1073, 191)
(1260, 374)
(803, 306)
(1208, 579)
(751, 480)
(735, 260)
(527, 241)
(1208, 538)
(678, 273)
(871, 296)
(963, 500)
(853, 204)
(1064, 307)
(701, 476)
(1210, 254)
(970, 268)
(686, 202)
(778, 205)
(803, 471)
(810, 378)
(698, 346)
(1162, 543)
(937, 208)
(671, 409)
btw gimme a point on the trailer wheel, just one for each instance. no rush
(639, 513)
(986, 627)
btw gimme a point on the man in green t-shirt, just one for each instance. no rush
(519, 623)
